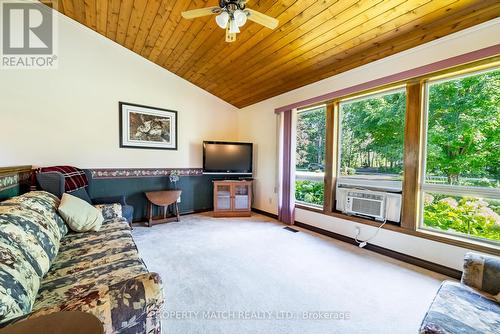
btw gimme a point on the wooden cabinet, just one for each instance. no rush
(232, 198)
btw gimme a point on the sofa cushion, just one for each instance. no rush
(19, 283)
(458, 308)
(482, 272)
(89, 260)
(79, 215)
(82, 251)
(30, 234)
(44, 203)
(29, 231)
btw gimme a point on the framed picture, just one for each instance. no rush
(147, 127)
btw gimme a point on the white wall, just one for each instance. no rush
(257, 123)
(69, 115)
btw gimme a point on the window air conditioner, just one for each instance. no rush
(375, 204)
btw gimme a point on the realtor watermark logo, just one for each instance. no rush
(28, 35)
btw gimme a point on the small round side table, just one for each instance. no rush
(73, 322)
(162, 199)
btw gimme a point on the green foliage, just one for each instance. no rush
(311, 133)
(464, 128)
(310, 192)
(468, 215)
(373, 133)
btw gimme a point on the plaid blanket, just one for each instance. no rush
(74, 178)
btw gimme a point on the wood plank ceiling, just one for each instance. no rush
(314, 40)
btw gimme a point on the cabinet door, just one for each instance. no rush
(223, 197)
(241, 196)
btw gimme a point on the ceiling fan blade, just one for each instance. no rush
(266, 21)
(194, 13)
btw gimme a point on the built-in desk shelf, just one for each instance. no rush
(232, 198)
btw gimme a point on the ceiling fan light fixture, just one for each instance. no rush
(222, 19)
(240, 17)
(233, 27)
(231, 15)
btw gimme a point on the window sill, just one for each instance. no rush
(425, 234)
(457, 240)
(309, 207)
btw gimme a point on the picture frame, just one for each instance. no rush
(147, 127)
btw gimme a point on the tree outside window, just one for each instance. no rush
(371, 138)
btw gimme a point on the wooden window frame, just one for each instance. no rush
(412, 158)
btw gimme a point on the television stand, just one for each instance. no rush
(232, 198)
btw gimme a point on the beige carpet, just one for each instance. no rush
(249, 275)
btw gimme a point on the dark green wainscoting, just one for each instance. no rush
(13, 191)
(197, 191)
(14, 181)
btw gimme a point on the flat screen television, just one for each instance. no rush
(227, 158)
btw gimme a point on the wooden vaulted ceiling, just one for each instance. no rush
(314, 40)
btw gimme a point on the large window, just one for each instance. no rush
(461, 172)
(310, 156)
(430, 143)
(371, 141)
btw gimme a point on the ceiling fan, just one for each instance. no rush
(232, 14)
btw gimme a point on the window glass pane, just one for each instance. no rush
(463, 136)
(310, 156)
(371, 139)
(462, 159)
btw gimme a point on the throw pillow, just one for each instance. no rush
(79, 215)
(110, 211)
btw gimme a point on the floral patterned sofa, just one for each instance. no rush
(44, 268)
(470, 306)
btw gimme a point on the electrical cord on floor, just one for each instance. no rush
(362, 244)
